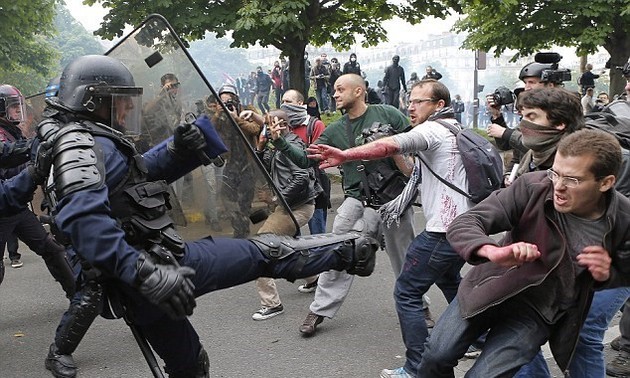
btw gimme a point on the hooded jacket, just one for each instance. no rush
(526, 211)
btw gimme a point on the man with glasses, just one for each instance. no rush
(430, 258)
(567, 234)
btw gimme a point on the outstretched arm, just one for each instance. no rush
(332, 157)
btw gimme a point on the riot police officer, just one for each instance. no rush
(23, 223)
(102, 183)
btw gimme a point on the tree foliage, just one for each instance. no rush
(40, 38)
(24, 53)
(72, 40)
(532, 25)
(288, 25)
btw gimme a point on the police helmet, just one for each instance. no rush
(534, 69)
(12, 108)
(101, 88)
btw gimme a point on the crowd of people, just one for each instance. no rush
(558, 274)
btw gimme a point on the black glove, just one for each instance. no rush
(40, 168)
(187, 138)
(167, 286)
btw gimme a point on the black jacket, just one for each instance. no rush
(297, 185)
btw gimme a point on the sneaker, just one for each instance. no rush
(308, 287)
(268, 312)
(395, 373)
(616, 343)
(619, 366)
(60, 365)
(16, 263)
(472, 352)
(428, 317)
(309, 326)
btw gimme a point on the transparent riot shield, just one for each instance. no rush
(232, 195)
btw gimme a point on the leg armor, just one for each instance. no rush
(55, 258)
(74, 324)
(1, 270)
(357, 252)
(202, 370)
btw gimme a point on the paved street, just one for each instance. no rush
(361, 340)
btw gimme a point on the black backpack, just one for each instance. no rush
(482, 162)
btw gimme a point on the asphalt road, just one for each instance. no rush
(361, 340)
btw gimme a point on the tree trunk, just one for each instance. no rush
(297, 78)
(618, 46)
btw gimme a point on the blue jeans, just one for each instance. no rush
(588, 358)
(429, 259)
(515, 336)
(317, 223)
(322, 99)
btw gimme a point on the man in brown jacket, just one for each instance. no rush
(567, 235)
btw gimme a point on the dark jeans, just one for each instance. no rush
(263, 102)
(430, 259)
(317, 223)
(516, 334)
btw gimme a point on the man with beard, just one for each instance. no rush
(430, 258)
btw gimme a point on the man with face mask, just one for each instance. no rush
(352, 66)
(394, 78)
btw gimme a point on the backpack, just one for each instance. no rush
(482, 162)
(323, 200)
(615, 119)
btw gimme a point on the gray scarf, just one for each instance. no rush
(392, 210)
(296, 113)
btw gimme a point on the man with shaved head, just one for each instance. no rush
(356, 212)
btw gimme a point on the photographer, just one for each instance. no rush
(543, 72)
(299, 189)
(239, 168)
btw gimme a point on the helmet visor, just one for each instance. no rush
(12, 109)
(126, 111)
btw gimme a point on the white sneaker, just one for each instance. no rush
(395, 373)
(268, 312)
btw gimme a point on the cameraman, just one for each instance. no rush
(533, 75)
(239, 169)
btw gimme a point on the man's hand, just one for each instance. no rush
(329, 156)
(510, 255)
(167, 286)
(276, 127)
(495, 130)
(597, 260)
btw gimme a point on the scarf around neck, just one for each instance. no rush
(393, 210)
(296, 113)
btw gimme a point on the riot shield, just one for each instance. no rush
(231, 196)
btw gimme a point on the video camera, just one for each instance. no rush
(553, 73)
(501, 96)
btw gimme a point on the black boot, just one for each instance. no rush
(60, 365)
(202, 370)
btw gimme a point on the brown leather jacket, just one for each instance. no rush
(525, 210)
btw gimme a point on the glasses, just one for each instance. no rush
(418, 101)
(569, 182)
